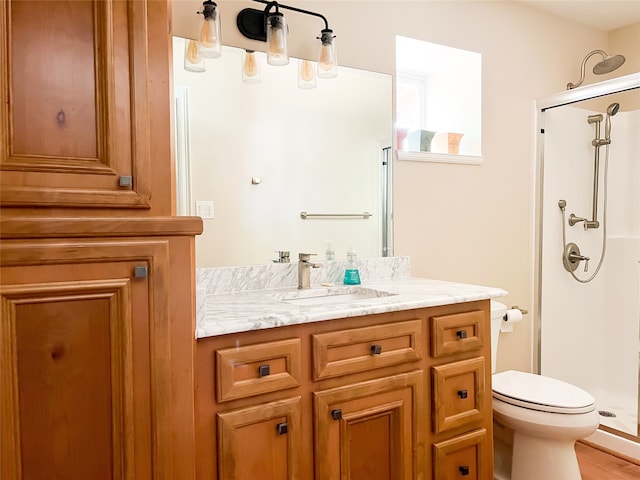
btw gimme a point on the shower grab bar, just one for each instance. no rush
(305, 215)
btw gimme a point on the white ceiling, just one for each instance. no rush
(603, 14)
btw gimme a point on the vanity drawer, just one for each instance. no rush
(458, 394)
(259, 368)
(457, 333)
(462, 457)
(360, 349)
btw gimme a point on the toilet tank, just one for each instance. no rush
(498, 311)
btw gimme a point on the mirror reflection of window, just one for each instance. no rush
(438, 98)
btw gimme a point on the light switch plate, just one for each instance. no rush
(204, 209)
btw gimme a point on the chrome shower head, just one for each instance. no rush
(606, 65)
(611, 111)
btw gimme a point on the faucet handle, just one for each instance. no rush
(305, 257)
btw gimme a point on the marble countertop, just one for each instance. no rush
(260, 309)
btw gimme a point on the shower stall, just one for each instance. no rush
(587, 255)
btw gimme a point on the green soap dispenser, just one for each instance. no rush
(351, 274)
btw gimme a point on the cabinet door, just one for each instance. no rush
(459, 396)
(464, 458)
(74, 115)
(261, 441)
(85, 354)
(373, 430)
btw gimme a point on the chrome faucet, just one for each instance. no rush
(304, 269)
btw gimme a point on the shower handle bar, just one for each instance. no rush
(597, 142)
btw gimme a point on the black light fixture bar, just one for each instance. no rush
(252, 23)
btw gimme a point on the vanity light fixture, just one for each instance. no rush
(267, 26)
(209, 42)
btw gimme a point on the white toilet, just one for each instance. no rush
(536, 420)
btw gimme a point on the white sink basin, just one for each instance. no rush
(333, 295)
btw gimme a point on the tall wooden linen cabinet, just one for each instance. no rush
(96, 274)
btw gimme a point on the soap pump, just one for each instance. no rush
(329, 253)
(351, 274)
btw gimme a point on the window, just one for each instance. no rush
(438, 99)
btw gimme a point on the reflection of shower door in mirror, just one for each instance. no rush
(590, 332)
(387, 202)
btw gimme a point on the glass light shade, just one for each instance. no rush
(306, 74)
(277, 53)
(193, 61)
(210, 43)
(327, 59)
(250, 67)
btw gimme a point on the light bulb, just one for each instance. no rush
(193, 62)
(327, 59)
(250, 68)
(192, 52)
(210, 43)
(277, 53)
(306, 74)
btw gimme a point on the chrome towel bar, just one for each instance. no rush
(305, 215)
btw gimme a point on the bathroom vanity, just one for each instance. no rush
(394, 377)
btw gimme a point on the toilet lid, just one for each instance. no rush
(541, 393)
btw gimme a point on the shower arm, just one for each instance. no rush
(582, 68)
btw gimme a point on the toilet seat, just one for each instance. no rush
(544, 394)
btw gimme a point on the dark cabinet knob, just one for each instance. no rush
(282, 428)
(464, 471)
(264, 370)
(141, 271)
(463, 394)
(461, 334)
(376, 349)
(336, 414)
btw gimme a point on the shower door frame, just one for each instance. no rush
(616, 85)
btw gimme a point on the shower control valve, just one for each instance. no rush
(571, 258)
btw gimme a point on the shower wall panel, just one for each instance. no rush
(590, 332)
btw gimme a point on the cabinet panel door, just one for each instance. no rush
(261, 441)
(74, 112)
(78, 394)
(373, 430)
(463, 457)
(459, 396)
(96, 358)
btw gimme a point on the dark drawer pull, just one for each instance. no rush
(336, 414)
(461, 334)
(463, 394)
(281, 428)
(264, 370)
(464, 471)
(376, 349)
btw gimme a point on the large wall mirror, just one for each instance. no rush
(252, 157)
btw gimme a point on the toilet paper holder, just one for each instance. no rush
(516, 307)
(513, 315)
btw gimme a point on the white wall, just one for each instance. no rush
(463, 223)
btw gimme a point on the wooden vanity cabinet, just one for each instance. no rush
(97, 278)
(96, 352)
(362, 397)
(85, 107)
